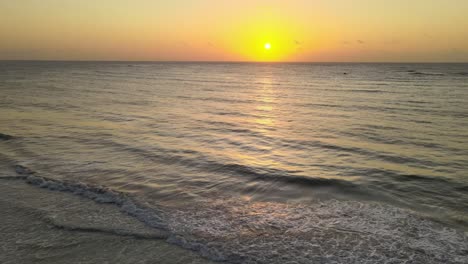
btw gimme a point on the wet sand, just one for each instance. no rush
(40, 226)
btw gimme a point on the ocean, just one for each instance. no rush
(253, 162)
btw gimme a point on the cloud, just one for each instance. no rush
(360, 41)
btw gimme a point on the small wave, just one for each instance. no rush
(98, 194)
(279, 176)
(382, 127)
(447, 184)
(366, 91)
(121, 232)
(368, 135)
(319, 105)
(413, 72)
(416, 102)
(388, 157)
(200, 161)
(5, 137)
(421, 121)
(413, 177)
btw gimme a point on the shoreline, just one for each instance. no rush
(48, 222)
(43, 226)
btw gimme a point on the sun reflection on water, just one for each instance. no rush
(266, 100)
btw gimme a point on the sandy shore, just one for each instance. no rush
(40, 226)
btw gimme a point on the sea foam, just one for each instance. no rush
(240, 231)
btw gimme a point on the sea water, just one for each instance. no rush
(254, 162)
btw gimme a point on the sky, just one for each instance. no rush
(227, 30)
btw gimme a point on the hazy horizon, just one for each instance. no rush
(252, 62)
(224, 31)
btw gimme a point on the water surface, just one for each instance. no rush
(216, 137)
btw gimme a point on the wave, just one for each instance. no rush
(280, 176)
(414, 72)
(324, 232)
(98, 194)
(366, 91)
(152, 234)
(199, 161)
(388, 157)
(5, 137)
(236, 231)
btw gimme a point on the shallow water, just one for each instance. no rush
(193, 140)
(43, 227)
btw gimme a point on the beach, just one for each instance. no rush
(43, 226)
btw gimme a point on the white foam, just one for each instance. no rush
(239, 231)
(325, 232)
(151, 217)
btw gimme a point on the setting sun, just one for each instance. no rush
(248, 131)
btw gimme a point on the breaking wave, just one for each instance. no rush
(241, 231)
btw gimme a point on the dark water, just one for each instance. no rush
(223, 149)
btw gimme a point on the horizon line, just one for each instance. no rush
(221, 61)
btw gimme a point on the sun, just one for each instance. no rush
(267, 46)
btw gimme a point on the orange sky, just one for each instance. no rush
(225, 30)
